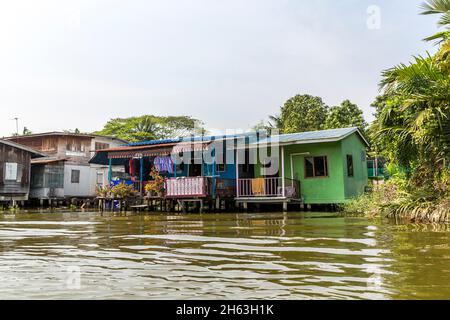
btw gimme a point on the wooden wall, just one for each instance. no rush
(74, 148)
(19, 188)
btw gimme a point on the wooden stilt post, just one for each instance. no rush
(141, 175)
(237, 173)
(283, 180)
(109, 171)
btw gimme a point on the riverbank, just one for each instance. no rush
(392, 200)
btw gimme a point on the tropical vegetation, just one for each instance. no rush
(150, 127)
(309, 113)
(412, 130)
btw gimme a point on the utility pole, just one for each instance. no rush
(17, 124)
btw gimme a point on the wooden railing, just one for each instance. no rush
(268, 187)
(187, 187)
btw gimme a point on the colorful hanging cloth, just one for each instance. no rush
(132, 167)
(163, 164)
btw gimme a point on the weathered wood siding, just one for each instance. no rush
(76, 149)
(19, 188)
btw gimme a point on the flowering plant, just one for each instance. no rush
(104, 191)
(122, 191)
(157, 185)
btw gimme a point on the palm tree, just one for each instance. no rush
(276, 122)
(441, 7)
(418, 116)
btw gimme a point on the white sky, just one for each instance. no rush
(76, 64)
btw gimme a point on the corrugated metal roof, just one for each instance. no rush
(52, 133)
(313, 136)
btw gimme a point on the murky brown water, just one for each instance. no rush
(220, 256)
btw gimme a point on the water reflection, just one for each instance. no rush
(229, 256)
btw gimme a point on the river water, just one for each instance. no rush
(87, 255)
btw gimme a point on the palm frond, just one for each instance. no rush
(435, 7)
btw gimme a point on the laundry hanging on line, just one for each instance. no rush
(163, 164)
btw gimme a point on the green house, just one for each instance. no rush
(319, 167)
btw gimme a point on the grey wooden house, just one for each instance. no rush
(15, 171)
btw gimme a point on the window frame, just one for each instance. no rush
(101, 145)
(13, 167)
(221, 167)
(352, 167)
(327, 171)
(72, 180)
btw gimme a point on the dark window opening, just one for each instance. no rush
(221, 167)
(195, 170)
(350, 165)
(75, 176)
(316, 167)
(101, 146)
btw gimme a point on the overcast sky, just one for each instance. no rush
(230, 63)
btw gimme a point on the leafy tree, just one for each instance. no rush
(26, 131)
(150, 127)
(379, 145)
(303, 113)
(261, 125)
(344, 116)
(413, 125)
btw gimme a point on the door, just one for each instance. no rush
(195, 170)
(296, 167)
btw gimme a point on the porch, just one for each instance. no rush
(269, 191)
(268, 188)
(199, 187)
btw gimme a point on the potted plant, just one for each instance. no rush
(103, 192)
(157, 185)
(122, 191)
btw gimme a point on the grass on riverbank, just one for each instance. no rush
(393, 201)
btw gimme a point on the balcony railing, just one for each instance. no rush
(187, 187)
(268, 187)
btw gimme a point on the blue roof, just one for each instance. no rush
(314, 136)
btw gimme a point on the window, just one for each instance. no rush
(221, 159)
(75, 177)
(100, 177)
(101, 146)
(349, 165)
(11, 171)
(316, 167)
(221, 167)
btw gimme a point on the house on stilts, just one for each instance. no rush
(308, 168)
(15, 168)
(65, 173)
